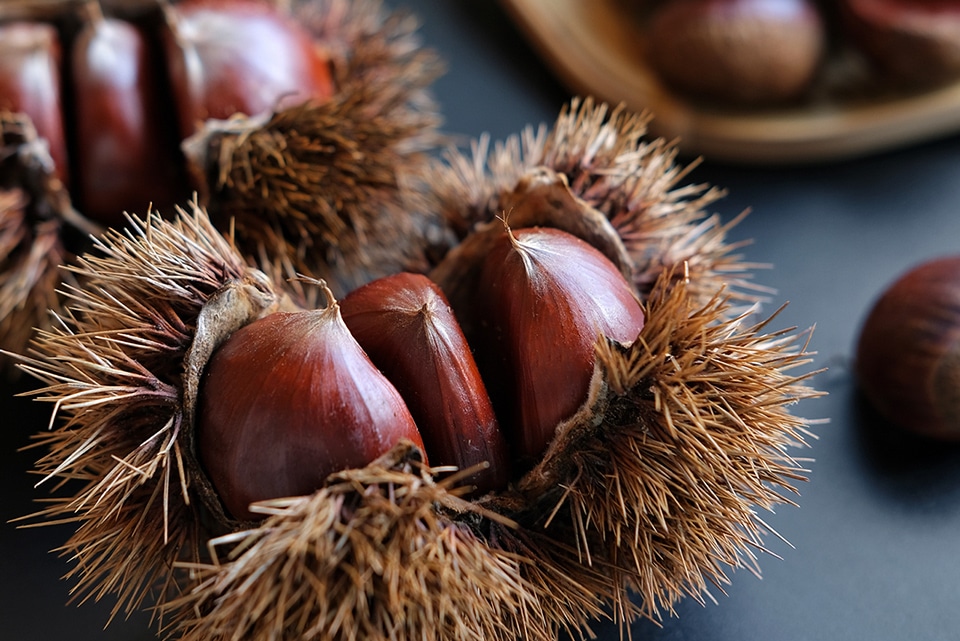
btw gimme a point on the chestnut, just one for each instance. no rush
(913, 42)
(548, 297)
(30, 83)
(908, 350)
(286, 401)
(746, 52)
(126, 156)
(408, 329)
(239, 56)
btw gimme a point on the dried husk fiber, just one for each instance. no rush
(325, 183)
(35, 217)
(112, 363)
(646, 495)
(379, 554)
(324, 172)
(27, 254)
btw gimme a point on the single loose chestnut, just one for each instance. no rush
(549, 298)
(908, 351)
(288, 400)
(406, 326)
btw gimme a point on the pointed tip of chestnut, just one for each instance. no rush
(406, 326)
(912, 42)
(908, 351)
(549, 297)
(288, 400)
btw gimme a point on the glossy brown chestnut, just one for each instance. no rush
(549, 297)
(239, 56)
(289, 399)
(406, 326)
(908, 351)
(126, 152)
(30, 82)
(915, 42)
(748, 52)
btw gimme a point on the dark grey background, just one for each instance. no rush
(876, 548)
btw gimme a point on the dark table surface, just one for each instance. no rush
(875, 541)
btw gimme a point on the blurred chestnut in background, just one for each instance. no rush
(30, 82)
(239, 56)
(126, 158)
(913, 42)
(745, 52)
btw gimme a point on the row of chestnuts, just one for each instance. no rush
(339, 386)
(113, 96)
(762, 52)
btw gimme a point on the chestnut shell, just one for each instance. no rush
(288, 400)
(908, 352)
(407, 328)
(546, 299)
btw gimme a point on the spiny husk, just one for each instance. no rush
(324, 183)
(120, 463)
(655, 497)
(604, 156)
(377, 554)
(35, 213)
(687, 431)
(25, 269)
(112, 363)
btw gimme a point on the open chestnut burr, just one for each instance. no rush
(147, 101)
(682, 434)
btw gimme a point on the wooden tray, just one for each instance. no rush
(596, 48)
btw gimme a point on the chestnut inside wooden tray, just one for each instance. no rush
(596, 48)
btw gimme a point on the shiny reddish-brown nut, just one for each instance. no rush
(288, 400)
(908, 351)
(239, 56)
(30, 83)
(406, 326)
(127, 152)
(749, 52)
(548, 298)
